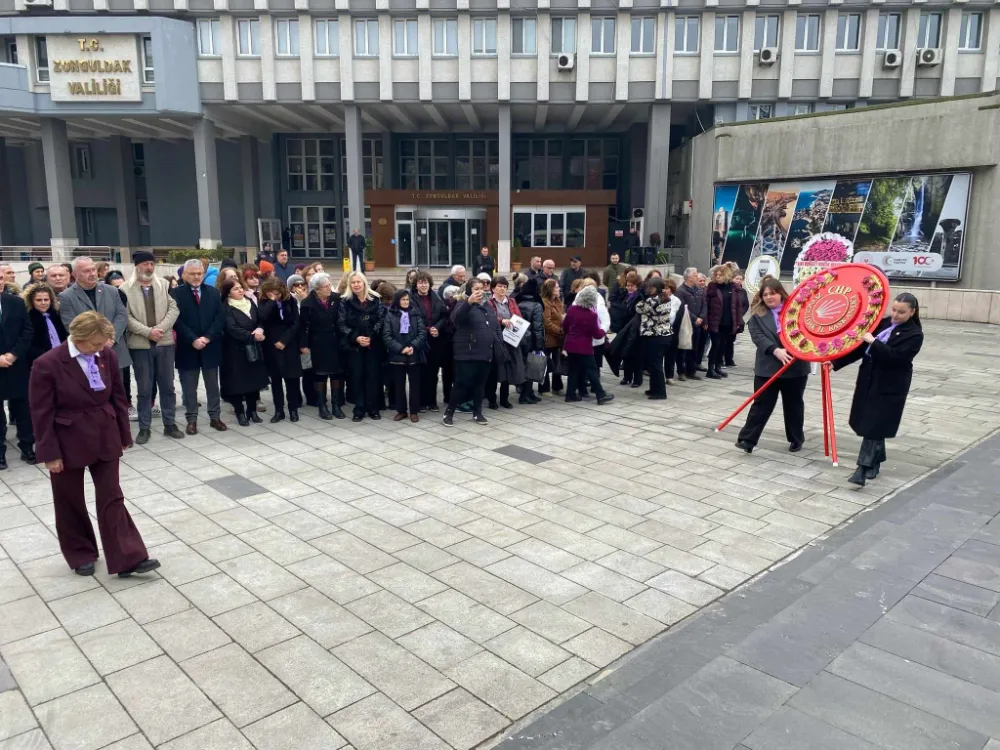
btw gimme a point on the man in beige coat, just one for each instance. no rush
(151, 316)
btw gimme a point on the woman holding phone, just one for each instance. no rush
(475, 331)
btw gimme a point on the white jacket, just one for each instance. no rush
(603, 318)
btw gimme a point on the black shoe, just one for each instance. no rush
(744, 446)
(658, 398)
(681, 377)
(3, 463)
(242, 421)
(713, 375)
(85, 570)
(637, 385)
(533, 399)
(573, 399)
(433, 407)
(279, 416)
(508, 405)
(606, 398)
(730, 364)
(794, 447)
(699, 368)
(192, 428)
(293, 415)
(494, 406)
(145, 566)
(449, 419)
(721, 373)
(357, 417)
(479, 419)
(338, 412)
(646, 393)
(696, 376)
(858, 477)
(524, 401)
(143, 437)
(375, 415)
(173, 432)
(872, 473)
(624, 381)
(28, 456)
(324, 411)
(254, 417)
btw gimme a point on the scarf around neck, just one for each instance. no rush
(243, 305)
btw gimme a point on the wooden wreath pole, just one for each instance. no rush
(828, 395)
(750, 400)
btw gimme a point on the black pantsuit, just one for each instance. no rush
(717, 353)
(20, 417)
(279, 386)
(400, 375)
(365, 371)
(792, 407)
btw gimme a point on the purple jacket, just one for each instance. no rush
(581, 328)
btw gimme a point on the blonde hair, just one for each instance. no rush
(726, 271)
(342, 285)
(576, 286)
(369, 292)
(587, 282)
(90, 325)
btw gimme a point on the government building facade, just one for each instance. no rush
(435, 126)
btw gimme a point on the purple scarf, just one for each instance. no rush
(93, 372)
(404, 322)
(53, 336)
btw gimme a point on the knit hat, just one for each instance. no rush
(266, 267)
(293, 280)
(142, 256)
(32, 267)
(227, 263)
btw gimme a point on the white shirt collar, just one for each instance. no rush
(73, 351)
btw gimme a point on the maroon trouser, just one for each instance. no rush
(123, 545)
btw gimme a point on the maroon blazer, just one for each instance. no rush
(72, 422)
(713, 299)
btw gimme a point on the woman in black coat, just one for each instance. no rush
(321, 339)
(475, 331)
(632, 362)
(358, 321)
(529, 301)
(243, 375)
(405, 340)
(279, 317)
(46, 325)
(883, 382)
(434, 312)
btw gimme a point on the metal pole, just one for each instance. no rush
(759, 391)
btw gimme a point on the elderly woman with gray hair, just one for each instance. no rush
(322, 340)
(580, 328)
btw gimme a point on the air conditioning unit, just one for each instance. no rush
(893, 58)
(566, 61)
(768, 56)
(637, 213)
(38, 3)
(929, 56)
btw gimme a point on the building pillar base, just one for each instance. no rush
(63, 247)
(208, 244)
(503, 256)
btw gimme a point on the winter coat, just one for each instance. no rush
(238, 375)
(483, 265)
(713, 302)
(764, 335)
(197, 319)
(655, 316)
(395, 341)
(15, 338)
(440, 318)
(357, 245)
(552, 315)
(883, 380)
(534, 337)
(694, 298)
(624, 347)
(281, 322)
(581, 328)
(355, 319)
(511, 302)
(40, 333)
(109, 303)
(566, 279)
(603, 318)
(617, 304)
(164, 310)
(611, 274)
(321, 335)
(475, 327)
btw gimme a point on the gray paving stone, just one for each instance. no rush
(550, 621)
(48, 665)
(615, 618)
(219, 735)
(436, 532)
(627, 564)
(439, 645)
(281, 546)
(536, 580)
(33, 740)
(325, 622)
(724, 578)
(685, 588)
(337, 581)
(24, 618)
(376, 723)
(973, 572)
(31, 542)
(500, 685)
(190, 526)
(604, 581)
(406, 582)
(947, 622)
(495, 533)
(256, 626)
(303, 524)
(50, 579)
(597, 647)
(186, 565)
(379, 533)
(135, 742)
(587, 547)
(461, 719)
(957, 594)
(660, 606)
(788, 729)
(426, 557)
(683, 562)
(186, 634)
(68, 724)
(467, 616)
(388, 613)
(353, 552)
(293, 728)
(117, 646)
(523, 454)
(17, 717)
(261, 577)
(564, 676)
(316, 676)
(530, 653)
(478, 552)
(151, 601)
(13, 585)
(540, 553)
(180, 708)
(216, 594)
(87, 611)
(236, 487)
(485, 588)
(624, 539)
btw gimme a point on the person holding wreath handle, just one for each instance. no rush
(883, 382)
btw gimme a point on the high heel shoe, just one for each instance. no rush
(858, 477)
(254, 417)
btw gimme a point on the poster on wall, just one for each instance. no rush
(910, 226)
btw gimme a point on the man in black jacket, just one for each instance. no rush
(693, 296)
(569, 275)
(15, 338)
(356, 244)
(483, 263)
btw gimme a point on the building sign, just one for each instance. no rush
(426, 195)
(910, 226)
(94, 68)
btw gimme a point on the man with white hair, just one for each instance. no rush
(200, 323)
(693, 296)
(58, 278)
(90, 293)
(457, 277)
(8, 278)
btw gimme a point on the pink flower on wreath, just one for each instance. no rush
(795, 333)
(802, 296)
(823, 347)
(827, 250)
(837, 343)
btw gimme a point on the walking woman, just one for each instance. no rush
(243, 375)
(655, 333)
(552, 317)
(883, 382)
(358, 322)
(321, 341)
(771, 356)
(405, 339)
(438, 342)
(581, 328)
(725, 315)
(80, 419)
(279, 317)
(632, 366)
(475, 330)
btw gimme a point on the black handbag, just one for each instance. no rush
(252, 352)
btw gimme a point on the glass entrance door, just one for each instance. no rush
(440, 242)
(438, 237)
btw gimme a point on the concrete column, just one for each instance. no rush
(59, 187)
(911, 23)
(623, 49)
(786, 59)
(707, 51)
(6, 218)
(584, 35)
(747, 57)
(991, 65)
(346, 60)
(503, 54)
(355, 180)
(206, 168)
(868, 53)
(126, 205)
(503, 212)
(306, 56)
(387, 161)
(949, 38)
(251, 188)
(657, 173)
(829, 53)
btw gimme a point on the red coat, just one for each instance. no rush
(581, 327)
(72, 422)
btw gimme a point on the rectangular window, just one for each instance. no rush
(424, 163)
(484, 36)
(209, 37)
(477, 164)
(41, 59)
(687, 33)
(445, 37)
(142, 209)
(593, 164)
(643, 36)
(888, 31)
(550, 227)
(148, 76)
(765, 33)
(81, 161)
(848, 32)
(538, 163)
(372, 164)
(602, 36)
(327, 32)
(727, 33)
(314, 231)
(971, 35)
(286, 35)
(760, 111)
(563, 35)
(366, 38)
(802, 109)
(248, 37)
(87, 215)
(405, 37)
(523, 42)
(10, 51)
(309, 164)
(138, 154)
(929, 33)
(807, 32)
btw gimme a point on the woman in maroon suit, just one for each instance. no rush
(80, 417)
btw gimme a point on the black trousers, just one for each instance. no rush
(278, 387)
(792, 407)
(309, 386)
(633, 365)
(730, 348)
(699, 351)
(365, 379)
(250, 399)
(447, 362)
(670, 357)
(872, 452)
(653, 349)
(400, 375)
(583, 370)
(552, 358)
(22, 420)
(127, 382)
(429, 376)
(491, 383)
(717, 352)
(470, 380)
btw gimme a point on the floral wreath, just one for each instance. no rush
(820, 252)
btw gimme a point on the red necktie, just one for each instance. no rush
(197, 294)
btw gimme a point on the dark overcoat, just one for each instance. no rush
(195, 320)
(321, 335)
(40, 333)
(281, 323)
(239, 376)
(15, 338)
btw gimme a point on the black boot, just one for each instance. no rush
(721, 373)
(858, 477)
(241, 415)
(293, 415)
(324, 411)
(279, 415)
(872, 472)
(253, 416)
(713, 374)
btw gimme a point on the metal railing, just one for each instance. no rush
(57, 254)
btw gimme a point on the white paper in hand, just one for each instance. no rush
(514, 334)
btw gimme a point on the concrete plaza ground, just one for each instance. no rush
(389, 586)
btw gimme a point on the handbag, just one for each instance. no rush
(252, 352)
(307, 360)
(535, 367)
(686, 333)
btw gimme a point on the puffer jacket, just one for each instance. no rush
(655, 314)
(534, 338)
(474, 332)
(395, 341)
(552, 315)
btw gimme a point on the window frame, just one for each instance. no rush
(523, 21)
(755, 110)
(686, 21)
(471, 177)
(550, 228)
(604, 22)
(806, 18)
(83, 163)
(251, 24)
(809, 108)
(283, 28)
(323, 175)
(642, 22)
(42, 72)
(481, 34)
(923, 29)
(965, 27)
(142, 211)
(884, 18)
(728, 34)
(411, 34)
(330, 36)
(367, 24)
(372, 154)
(761, 24)
(565, 22)
(89, 223)
(147, 59)
(214, 26)
(325, 216)
(449, 37)
(599, 157)
(436, 179)
(10, 51)
(844, 19)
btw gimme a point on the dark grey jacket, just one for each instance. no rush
(74, 301)
(764, 336)
(694, 298)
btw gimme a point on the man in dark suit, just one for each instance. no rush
(15, 338)
(199, 329)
